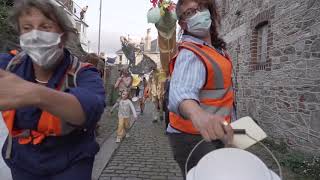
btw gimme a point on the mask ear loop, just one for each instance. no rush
(60, 45)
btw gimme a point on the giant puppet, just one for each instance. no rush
(163, 15)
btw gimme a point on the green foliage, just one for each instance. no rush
(302, 164)
(114, 96)
(8, 37)
(305, 165)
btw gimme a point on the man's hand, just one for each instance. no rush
(15, 92)
(212, 127)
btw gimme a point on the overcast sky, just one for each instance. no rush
(119, 17)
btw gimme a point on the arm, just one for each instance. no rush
(118, 82)
(133, 110)
(187, 80)
(114, 106)
(81, 106)
(61, 104)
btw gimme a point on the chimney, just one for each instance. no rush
(142, 44)
(148, 40)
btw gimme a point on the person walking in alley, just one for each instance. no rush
(201, 95)
(124, 82)
(125, 109)
(83, 12)
(50, 101)
(142, 87)
(153, 84)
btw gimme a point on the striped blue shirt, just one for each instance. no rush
(188, 78)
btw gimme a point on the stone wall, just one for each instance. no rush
(112, 74)
(282, 93)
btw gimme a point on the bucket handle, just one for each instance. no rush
(263, 145)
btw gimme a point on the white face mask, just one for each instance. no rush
(199, 24)
(42, 47)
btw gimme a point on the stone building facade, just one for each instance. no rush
(275, 46)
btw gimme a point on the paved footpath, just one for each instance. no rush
(146, 154)
(5, 173)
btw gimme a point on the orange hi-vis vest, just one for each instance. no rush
(216, 96)
(48, 124)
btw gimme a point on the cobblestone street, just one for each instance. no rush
(146, 154)
(106, 126)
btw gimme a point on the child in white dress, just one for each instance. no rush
(125, 109)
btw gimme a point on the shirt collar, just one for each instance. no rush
(192, 39)
(188, 38)
(26, 71)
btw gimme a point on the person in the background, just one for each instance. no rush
(83, 12)
(166, 101)
(124, 82)
(201, 95)
(142, 86)
(96, 61)
(146, 92)
(153, 84)
(50, 101)
(125, 109)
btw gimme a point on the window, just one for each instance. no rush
(224, 8)
(261, 40)
(262, 44)
(120, 59)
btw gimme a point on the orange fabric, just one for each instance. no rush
(146, 92)
(8, 117)
(227, 101)
(225, 65)
(186, 126)
(34, 138)
(13, 52)
(48, 124)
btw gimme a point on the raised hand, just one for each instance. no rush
(15, 92)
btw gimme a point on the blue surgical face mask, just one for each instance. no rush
(199, 24)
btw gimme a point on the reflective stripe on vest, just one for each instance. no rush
(48, 124)
(216, 96)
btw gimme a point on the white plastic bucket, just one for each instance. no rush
(231, 163)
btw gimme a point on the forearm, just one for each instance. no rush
(60, 104)
(189, 109)
(114, 106)
(117, 84)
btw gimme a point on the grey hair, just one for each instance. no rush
(49, 10)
